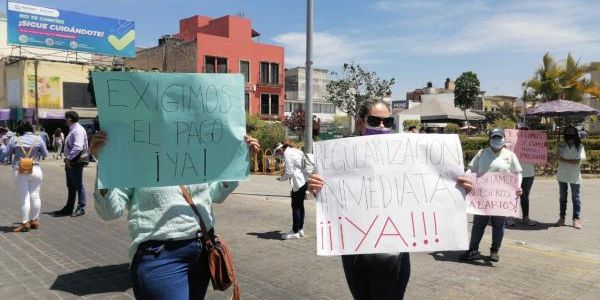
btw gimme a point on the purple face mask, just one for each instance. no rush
(373, 131)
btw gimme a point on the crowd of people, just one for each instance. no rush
(167, 259)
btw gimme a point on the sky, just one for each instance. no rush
(410, 40)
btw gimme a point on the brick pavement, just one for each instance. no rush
(71, 258)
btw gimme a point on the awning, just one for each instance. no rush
(5, 114)
(440, 111)
(58, 114)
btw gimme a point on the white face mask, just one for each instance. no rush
(497, 144)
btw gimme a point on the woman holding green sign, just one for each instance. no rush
(381, 276)
(167, 259)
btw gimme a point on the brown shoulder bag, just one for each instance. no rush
(220, 261)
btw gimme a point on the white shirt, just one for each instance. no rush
(487, 161)
(294, 169)
(528, 169)
(570, 173)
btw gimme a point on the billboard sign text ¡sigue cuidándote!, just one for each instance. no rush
(36, 26)
(390, 193)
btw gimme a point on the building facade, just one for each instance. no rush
(416, 95)
(62, 83)
(223, 45)
(295, 93)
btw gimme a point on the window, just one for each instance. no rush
(213, 64)
(221, 65)
(247, 101)
(274, 104)
(274, 74)
(316, 108)
(269, 104)
(245, 69)
(209, 64)
(288, 107)
(269, 73)
(264, 72)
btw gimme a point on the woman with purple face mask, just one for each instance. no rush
(375, 276)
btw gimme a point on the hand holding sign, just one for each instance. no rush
(390, 193)
(171, 129)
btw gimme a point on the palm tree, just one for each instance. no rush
(566, 80)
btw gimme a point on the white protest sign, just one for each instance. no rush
(390, 193)
(494, 194)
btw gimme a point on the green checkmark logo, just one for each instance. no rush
(120, 43)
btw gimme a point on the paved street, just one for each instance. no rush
(68, 258)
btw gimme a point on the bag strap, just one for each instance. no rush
(188, 198)
(26, 153)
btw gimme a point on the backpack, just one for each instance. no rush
(25, 163)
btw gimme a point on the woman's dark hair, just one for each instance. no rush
(57, 132)
(24, 126)
(366, 106)
(571, 132)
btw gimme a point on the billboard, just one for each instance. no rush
(399, 105)
(37, 26)
(49, 91)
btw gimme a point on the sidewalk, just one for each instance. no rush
(71, 258)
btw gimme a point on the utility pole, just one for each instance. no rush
(37, 98)
(308, 116)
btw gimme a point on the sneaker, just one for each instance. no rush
(510, 222)
(470, 255)
(290, 235)
(22, 227)
(494, 256)
(78, 212)
(577, 223)
(35, 224)
(560, 222)
(301, 232)
(529, 221)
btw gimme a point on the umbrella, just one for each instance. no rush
(562, 108)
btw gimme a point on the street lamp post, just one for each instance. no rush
(308, 147)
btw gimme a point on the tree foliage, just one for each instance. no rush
(296, 123)
(466, 90)
(561, 80)
(354, 86)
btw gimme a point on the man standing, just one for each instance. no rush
(44, 137)
(76, 145)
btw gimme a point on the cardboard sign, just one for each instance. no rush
(171, 129)
(529, 145)
(390, 193)
(495, 194)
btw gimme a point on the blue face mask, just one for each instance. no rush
(373, 131)
(497, 144)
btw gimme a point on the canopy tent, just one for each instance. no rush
(438, 111)
(562, 108)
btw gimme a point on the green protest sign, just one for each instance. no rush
(170, 129)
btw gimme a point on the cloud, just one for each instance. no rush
(478, 26)
(329, 50)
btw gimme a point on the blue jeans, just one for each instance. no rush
(75, 186)
(478, 229)
(563, 187)
(170, 270)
